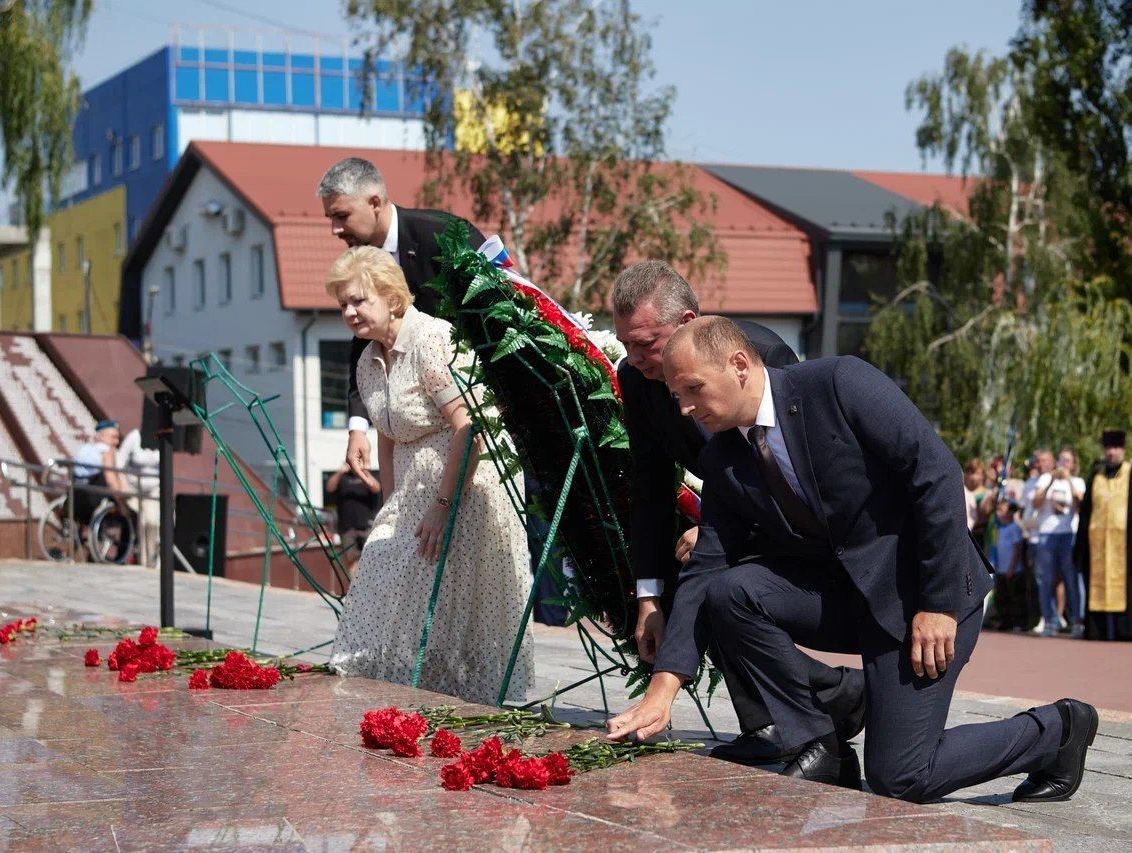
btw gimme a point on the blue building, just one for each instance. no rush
(132, 128)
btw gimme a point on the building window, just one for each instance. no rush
(157, 141)
(178, 361)
(61, 256)
(135, 152)
(95, 170)
(251, 355)
(225, 357)
(62, 322)
(80, 253)
(116, 157)
(169, 285)
(866, 277)
(257, 272)
(81, 322)
(277, 353)
(198, 284)
(119, 240)
(334, 382)
(225, 278)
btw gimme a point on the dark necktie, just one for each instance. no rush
(800, 517)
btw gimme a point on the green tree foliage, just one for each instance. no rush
(567, 170)
(38, 97)
(1079, 53)
(1006, 314)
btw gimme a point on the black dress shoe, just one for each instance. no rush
(818, 764)
(758, 747)
(1061, 779)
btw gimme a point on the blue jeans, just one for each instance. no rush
(1053, 559)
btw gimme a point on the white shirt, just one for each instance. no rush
(1059, 496)
(357, 422)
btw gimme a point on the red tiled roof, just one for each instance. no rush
(768, 270)
(951, 191)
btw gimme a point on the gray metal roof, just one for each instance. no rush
(840, 203)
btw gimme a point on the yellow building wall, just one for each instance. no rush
(15, 291)
(100, 224)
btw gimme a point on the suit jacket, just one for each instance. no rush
(660, 438)
(889, 496)
(417, 250)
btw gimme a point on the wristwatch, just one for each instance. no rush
(443, 501)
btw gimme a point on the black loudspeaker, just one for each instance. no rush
(186, 439)
(192, 522)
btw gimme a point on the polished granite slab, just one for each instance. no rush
(89, 763)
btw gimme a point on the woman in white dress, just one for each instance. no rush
(423, 426)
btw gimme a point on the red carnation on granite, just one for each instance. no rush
(147, 636)
(558, 766)
(198, 680)
(445, 744)
(239, 672)
(128, 672)
(91, 658)
(125, 652)
(456, 777)
(392, 728)
(156, 657)
(484, 760)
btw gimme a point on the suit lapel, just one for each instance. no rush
(749, 479)
(788, 414)
(408, 246)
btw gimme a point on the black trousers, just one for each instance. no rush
(759, 612)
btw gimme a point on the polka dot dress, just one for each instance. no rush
(487, 576)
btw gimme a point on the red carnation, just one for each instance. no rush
(91, 658)
(30, 624)
(5, 635)
(688, 503)
(147, 636)
(198, 680)
(455, 777)
(530, 774)
(483, 761)
(128, 672)
(378, 727)
(505, 770)
(558, 766)
(406, 747)
(239, 672)
(125, 652)
(445, 744)
(156, 656)
(301, 666)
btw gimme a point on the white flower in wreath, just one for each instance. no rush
(585, 320)
(607, 342)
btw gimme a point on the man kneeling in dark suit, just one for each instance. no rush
(860, 505)
(651, 301)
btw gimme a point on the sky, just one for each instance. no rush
(798, 83)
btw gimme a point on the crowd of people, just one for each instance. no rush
(1037, 532)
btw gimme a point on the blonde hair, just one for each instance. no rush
(716, 339)
(377, 273)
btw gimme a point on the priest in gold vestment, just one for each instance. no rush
(1103, 546)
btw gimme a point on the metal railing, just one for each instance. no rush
(56, 478)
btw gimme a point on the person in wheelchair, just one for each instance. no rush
(95, 472)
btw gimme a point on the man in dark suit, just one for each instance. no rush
(357, 204)
(862, 506)
(651, 301)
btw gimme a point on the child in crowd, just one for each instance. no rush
(1010, 583)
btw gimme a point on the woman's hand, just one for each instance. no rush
(430, 532)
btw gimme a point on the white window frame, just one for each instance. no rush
(225, 278)
(135, 152)
(157, 141)
(200, 285)
(169, 285)
(258, 282)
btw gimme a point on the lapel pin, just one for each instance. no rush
(793, 409)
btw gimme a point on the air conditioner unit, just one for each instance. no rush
(234, 220)
(177, 237)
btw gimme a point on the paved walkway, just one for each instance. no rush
(1005, 666)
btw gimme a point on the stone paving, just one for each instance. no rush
(87, 763)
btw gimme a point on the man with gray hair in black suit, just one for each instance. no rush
(356, 202)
